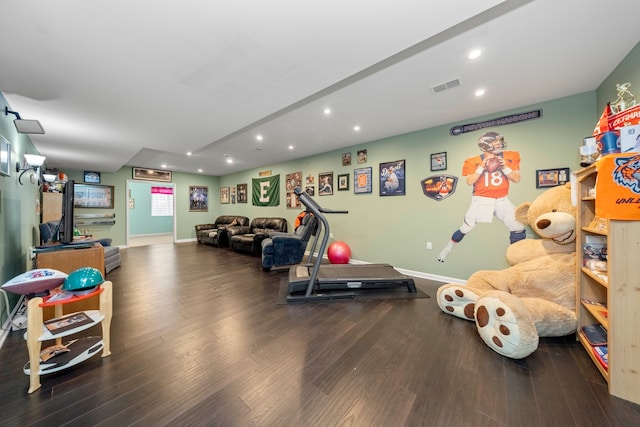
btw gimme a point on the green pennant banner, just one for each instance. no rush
(266, 191)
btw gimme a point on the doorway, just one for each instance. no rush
(150, 218)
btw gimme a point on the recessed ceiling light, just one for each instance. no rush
(479, 92)
(229, 160)
(189, 153)
(356, 128)
(259, 137)
(291, 147)
(327, 111)
(474, 54)
(163, 165)
(200, 170)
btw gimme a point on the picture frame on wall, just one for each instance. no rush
(93, 196)
(198, 198)
(439, 161)
(325, 184)
(346, 159)
(343, 182)
(392, 178)
(224, 195)
(91, 177)
(362, 156)
(552, 177)
(233, 190)
(5, 156)
(362, 180)
(151, 174)
(242, 193)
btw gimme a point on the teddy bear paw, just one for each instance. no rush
(504, 325)
(457, 300)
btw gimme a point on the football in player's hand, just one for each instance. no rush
(493, 164)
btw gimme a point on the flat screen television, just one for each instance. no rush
(66, 222)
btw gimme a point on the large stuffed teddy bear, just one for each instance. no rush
(536, 295)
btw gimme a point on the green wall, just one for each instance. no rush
(141, 222)
(627, 71)
(395, 230)
(19, 209)
(185, 220)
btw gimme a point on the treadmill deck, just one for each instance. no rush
(349, 276)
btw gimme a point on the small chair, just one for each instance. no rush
(288, 248)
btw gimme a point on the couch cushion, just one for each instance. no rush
(265, 225)
(111, 251)
(228, 220)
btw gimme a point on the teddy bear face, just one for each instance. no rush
(552, 215)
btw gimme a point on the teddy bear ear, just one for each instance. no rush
(522, 211)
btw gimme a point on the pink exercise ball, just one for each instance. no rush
(339, 253)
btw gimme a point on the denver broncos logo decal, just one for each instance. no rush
(627, 172)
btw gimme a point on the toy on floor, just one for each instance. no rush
(534, 297)
(339, 253)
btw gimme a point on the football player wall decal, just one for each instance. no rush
(490, 174)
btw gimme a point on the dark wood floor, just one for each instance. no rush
(197, 339)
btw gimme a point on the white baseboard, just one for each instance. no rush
(193, 239)
(412, 273)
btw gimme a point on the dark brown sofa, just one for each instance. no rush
(248, 239)
(215, 234)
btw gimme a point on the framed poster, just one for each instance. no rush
(362, 156)
(325, 184)
(551, 177)
(224, 195)
(93, 196)
(439, 161)
(5, 156)
(343, 182)
(346, 159)
(242, 193)
(234, 192)
(362, 180)
(151, 174)
(198, 198)
(392, 182)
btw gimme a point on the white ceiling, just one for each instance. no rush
(142, 82)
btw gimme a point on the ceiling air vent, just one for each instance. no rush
(446, 86)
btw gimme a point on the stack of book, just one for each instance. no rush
(596, 335)
(602, 354)
(63, 324)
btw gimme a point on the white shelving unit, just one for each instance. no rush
(83, 348)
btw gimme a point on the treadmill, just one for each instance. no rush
(317, 281)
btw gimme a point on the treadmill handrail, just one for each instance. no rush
(315, 209)
(303, 196)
